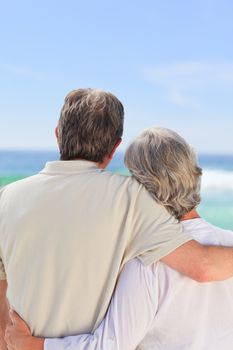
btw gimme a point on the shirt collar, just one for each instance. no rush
(69, 167)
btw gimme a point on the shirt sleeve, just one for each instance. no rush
(155, 233)
(129, 317)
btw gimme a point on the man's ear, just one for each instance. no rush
(115, 147)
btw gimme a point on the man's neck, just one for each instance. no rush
(102, 165)
(193, 214)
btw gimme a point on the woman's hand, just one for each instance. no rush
(18, 335)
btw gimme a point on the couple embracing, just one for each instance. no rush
(95, 260)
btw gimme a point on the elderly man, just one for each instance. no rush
(66, 232)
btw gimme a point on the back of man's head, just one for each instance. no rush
(90, 125)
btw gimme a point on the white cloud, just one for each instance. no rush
(182, 81)
(177, 97)
(21, 71)
(181, 99)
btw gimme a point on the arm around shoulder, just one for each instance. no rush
(201, 263)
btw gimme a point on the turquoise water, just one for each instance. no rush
(217, 180)
(217, 208)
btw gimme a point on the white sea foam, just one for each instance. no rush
(220, 180)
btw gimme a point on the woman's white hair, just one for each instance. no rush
(166, 165)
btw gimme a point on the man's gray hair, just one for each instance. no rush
(90, 124)
(166, 165)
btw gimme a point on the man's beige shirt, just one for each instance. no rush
(64, 237)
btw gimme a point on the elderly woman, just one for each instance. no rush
(155, 307)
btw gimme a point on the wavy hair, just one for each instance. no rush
(166, 165)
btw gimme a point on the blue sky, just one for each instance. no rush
(169, 61)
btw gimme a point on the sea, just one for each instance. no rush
(217, 180)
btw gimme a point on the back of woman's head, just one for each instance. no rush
(166, 165)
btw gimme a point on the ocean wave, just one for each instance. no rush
(221, 180)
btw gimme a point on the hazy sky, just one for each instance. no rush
(169, 61)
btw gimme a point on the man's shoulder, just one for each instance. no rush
(130, 187)
(120, 180)
(19, 184)
(116, 176)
